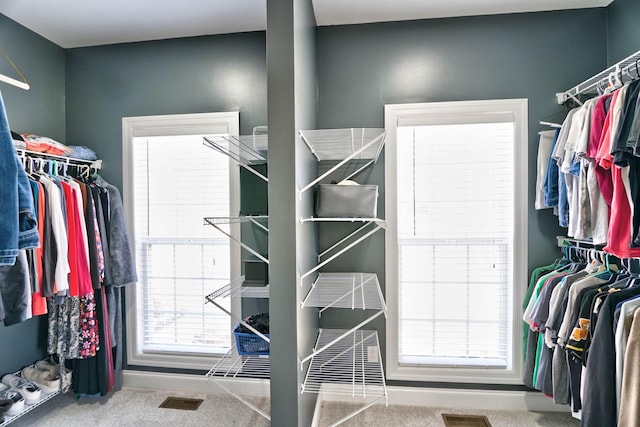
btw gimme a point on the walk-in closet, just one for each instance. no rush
(319, 213)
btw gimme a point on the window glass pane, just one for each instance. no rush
(455, 233)
(178, 182)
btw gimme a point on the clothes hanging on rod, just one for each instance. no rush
(577, 314)
(74, 267)
(606, 80)
(593, 172)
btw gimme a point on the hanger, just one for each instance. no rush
(550, 124)
(21, 84)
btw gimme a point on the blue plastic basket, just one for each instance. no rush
(250, 344)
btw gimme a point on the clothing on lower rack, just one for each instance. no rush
(578, 315)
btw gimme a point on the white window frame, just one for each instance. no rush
(466, 112)
(167, 125)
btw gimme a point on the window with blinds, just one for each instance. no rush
(456, 241)
(455, 226)
(178, 182)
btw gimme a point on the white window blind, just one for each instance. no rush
(177, 182)
(455, 231)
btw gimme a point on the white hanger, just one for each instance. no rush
(21, 84)
(550, 124)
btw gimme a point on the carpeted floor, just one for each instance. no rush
(139, 408)
(413, 416)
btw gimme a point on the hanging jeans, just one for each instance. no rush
(18, 225)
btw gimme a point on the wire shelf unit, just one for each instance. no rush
(233, 366)
(610, 76)
(8, 419)
(245, 150)
(369, 227)
(346, 290)
(256, 220)
(235, 288)
(343, 146)
(351, 367)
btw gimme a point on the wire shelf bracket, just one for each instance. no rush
(342, 246)
(351, 366)
(233, 366)
(343, 145)
(235, 288)
(246, 151)
(216, 223)
(611, 76)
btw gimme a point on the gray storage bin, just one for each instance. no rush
(346, 201)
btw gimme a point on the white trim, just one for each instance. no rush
(437, 111)
(495, 400)
(193, 383)
(164, 125)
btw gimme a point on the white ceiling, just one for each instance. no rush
(73, 23)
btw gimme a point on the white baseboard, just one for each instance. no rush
(498, 400)
(194, 383)
(409, 396)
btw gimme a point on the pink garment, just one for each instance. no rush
(619, 236)
(604, 160)
(597, 126)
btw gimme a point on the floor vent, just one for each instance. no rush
(451, 420)
(181, 403)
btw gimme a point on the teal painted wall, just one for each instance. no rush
(190, 75)
(39, 110)
(623, 31)
(363, 67)
(79, 96)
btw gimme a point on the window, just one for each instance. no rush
(456, 239)
(172, 182)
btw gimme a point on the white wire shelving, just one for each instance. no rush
(352, 366)
(234, 289)
(343, 146)
(45, 397)
(605, 79)
(256, 220)
(233, 366)
(345, 290)
(368, 228)
(245, 150)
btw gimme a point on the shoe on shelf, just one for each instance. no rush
(47, 382)
(5, 405)
(14, 402)
(53, 368)
(28, 389)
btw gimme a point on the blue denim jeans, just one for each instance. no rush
(18, 225)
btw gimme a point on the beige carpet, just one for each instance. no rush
(413, 416)
(138, 407)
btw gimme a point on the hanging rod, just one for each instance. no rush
(96, 164)
(612, 76)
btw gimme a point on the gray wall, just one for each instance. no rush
(359, 69)
(623, 29)
(292, 92)
(40, 111)
(191, 75)
(363, 67)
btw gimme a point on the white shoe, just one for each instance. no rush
(14, 395)
(28, 389)
(48, 383)
(53, 369)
